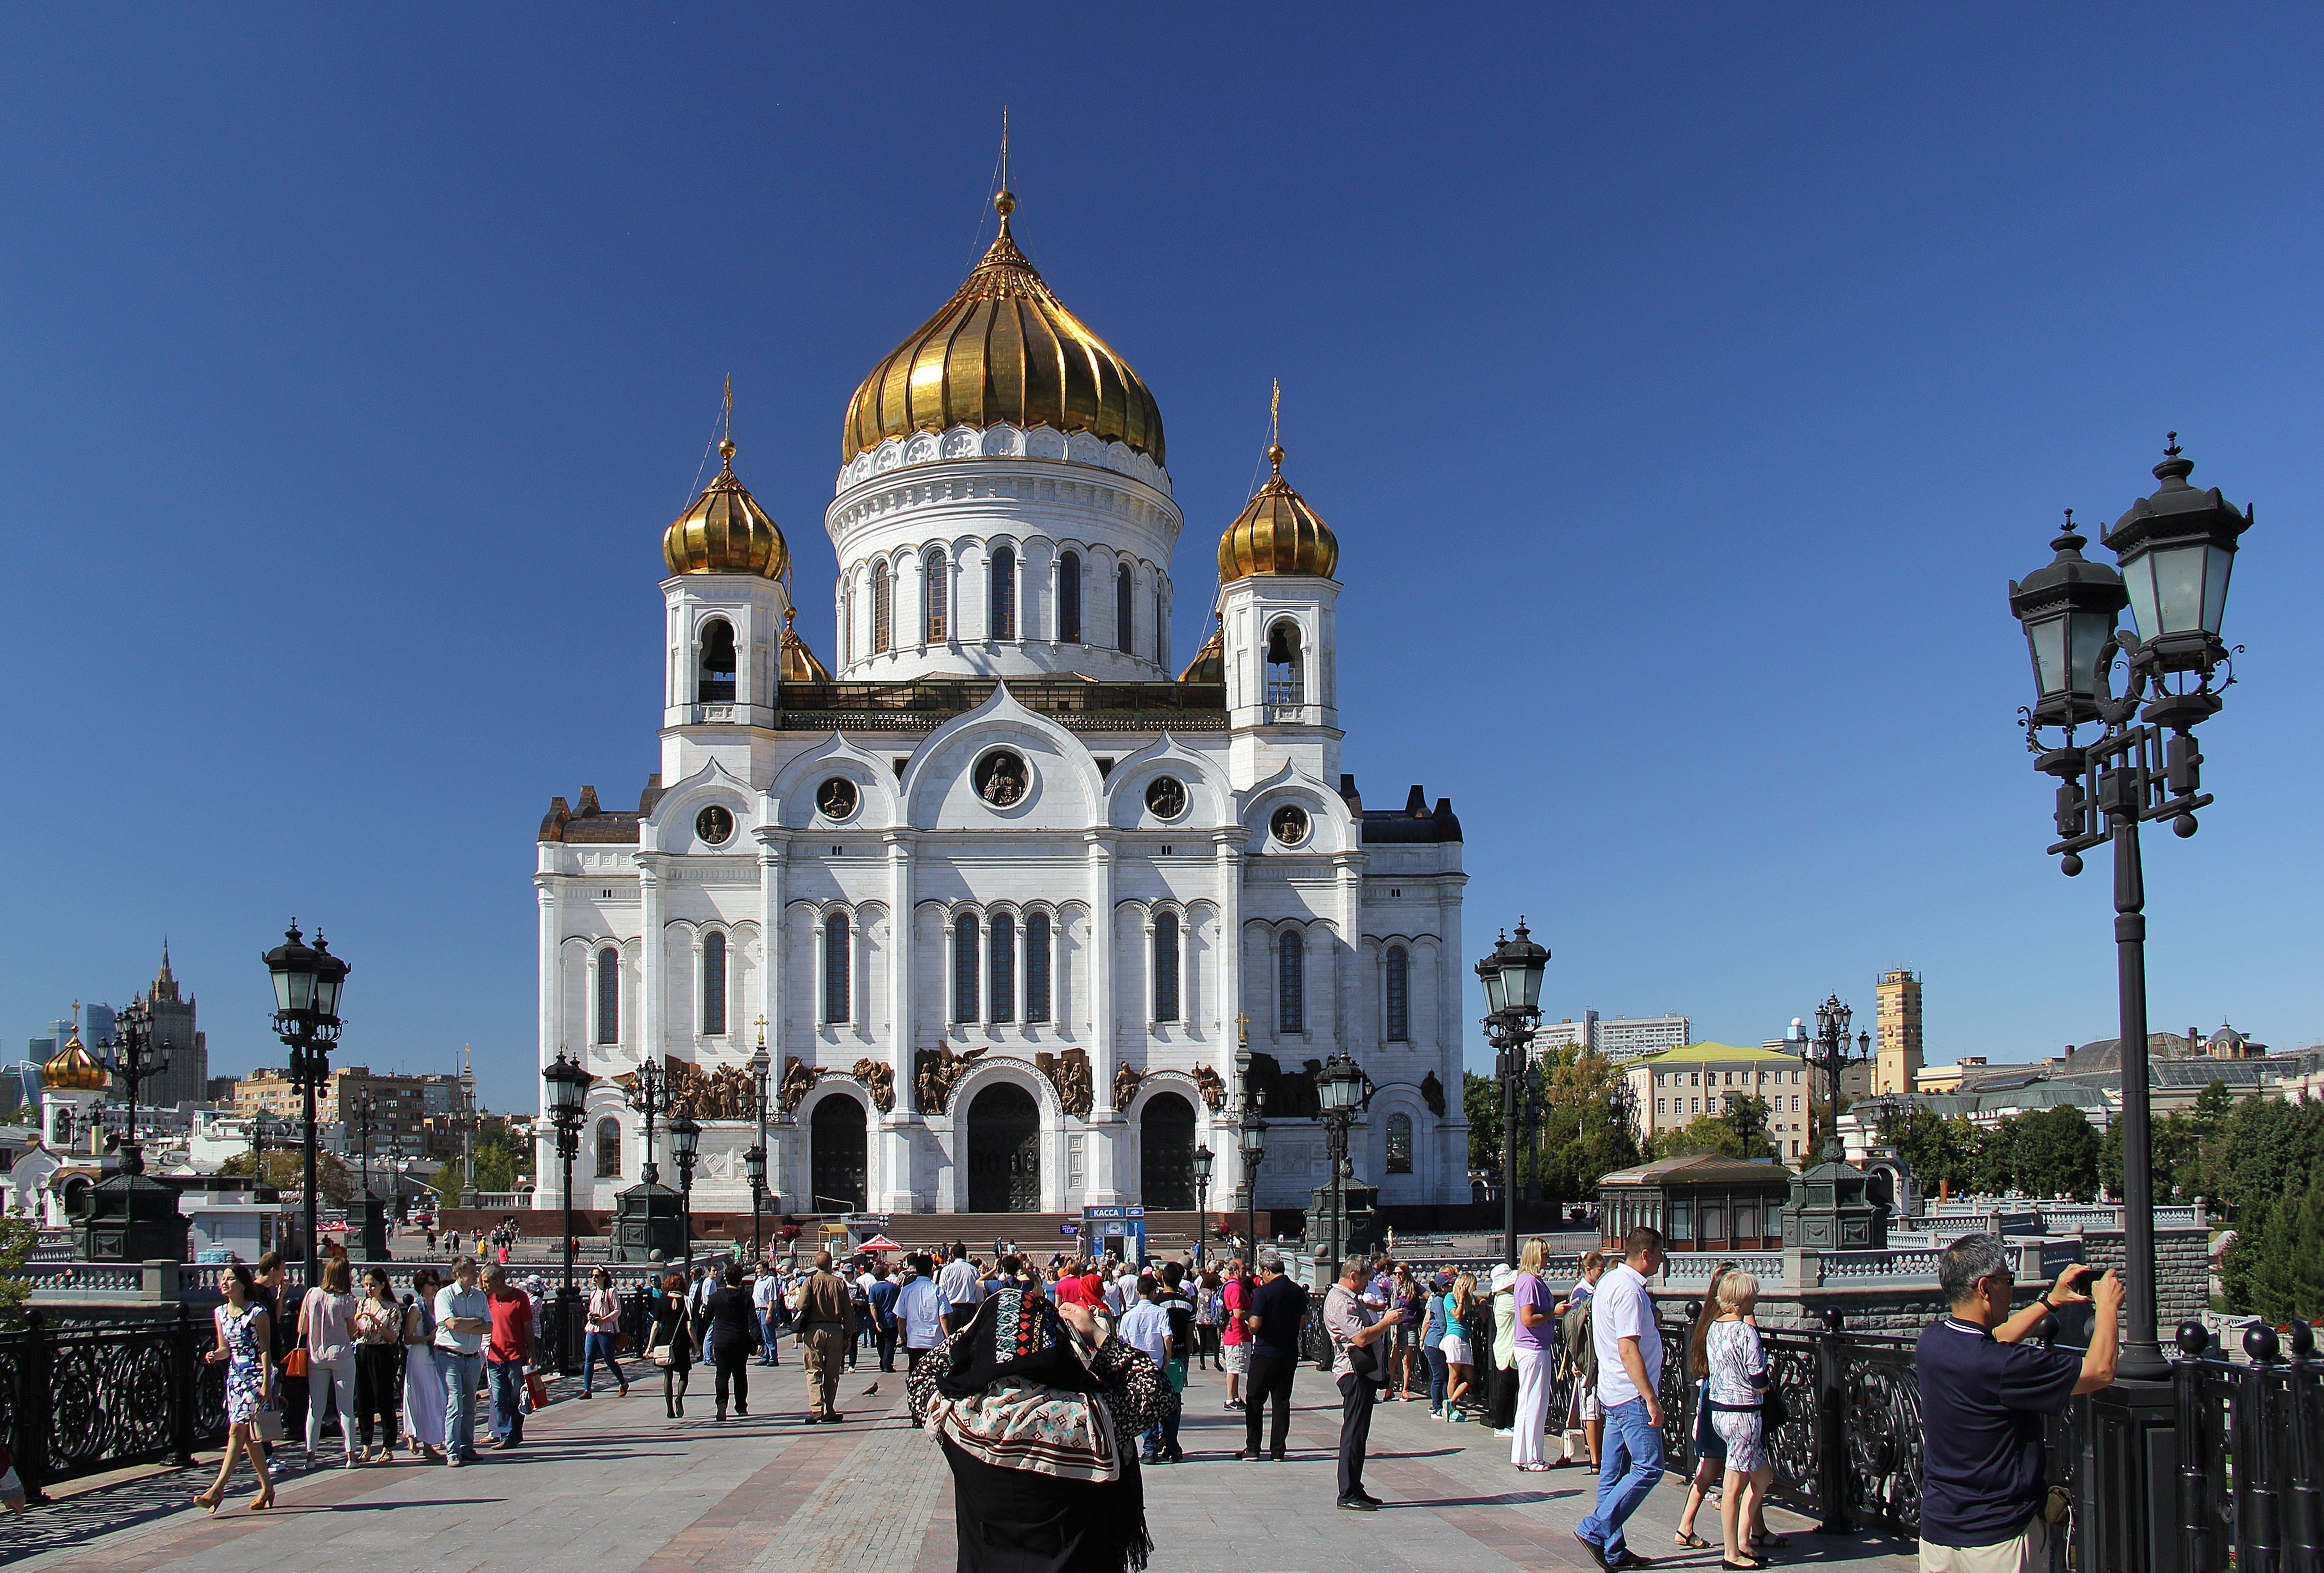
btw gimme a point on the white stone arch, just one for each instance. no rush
(792, 795)
(1210, 794)
(937, 788)
(1331, 827)
(1370, 1150)
(952, 1130)
(834, 1083)
(1317, 936)
(669, 827)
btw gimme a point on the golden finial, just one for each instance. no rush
(1275, 428)
(726, 441)
(1006, 202)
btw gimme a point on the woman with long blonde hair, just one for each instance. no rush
(1709, 1452)
(1537, 1345)
(1736, 1388)
(1460, 1360)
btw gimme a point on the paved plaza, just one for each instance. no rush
(611, 1486)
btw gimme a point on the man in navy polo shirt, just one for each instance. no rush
(1984, 1390)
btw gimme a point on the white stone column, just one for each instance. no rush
(1349, 868)
(552, 1029)
(1104, 1185)
(900, 1128)
(773, 853)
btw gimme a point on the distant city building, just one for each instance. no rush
(1620, 1037)
(1896, 1044)
(399, 1111)
(188, 1078)
(1675, 1086)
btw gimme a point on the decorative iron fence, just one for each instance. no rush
(77, 1400)
(2251, 1456)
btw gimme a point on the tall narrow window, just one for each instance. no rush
(713, 985)
(931, 594)
(1069, 598)
(609, 1148)
(1399, 1143)
(1122, 609)
(1161, 656)
(1291, 985)
(717, 684)
(609, 995)
(965, 960)
(836, 967)
(1284, 684)
(1003, 624)
(847, 628)
(883, 607)
(1399, 994)
(1165, 966)
(1037, 966)
(1000, 968)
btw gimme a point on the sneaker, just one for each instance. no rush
(1597, 1552)
(1358, 1505)
(1510, 1433)
(1367, 1496)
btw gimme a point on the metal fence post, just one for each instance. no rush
(1831, 1428)
(2304, 1529)
(185, 1383)
(2259, 1517)
(35, 1411)
(2194, 1446)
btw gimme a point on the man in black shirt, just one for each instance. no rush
(734, 1323)
(1984, 1390)
(1278, 1310)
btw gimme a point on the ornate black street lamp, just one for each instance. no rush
(1343, 1092)
(1251, 1131)
(1204, 1159)
(685, 1142)
(568, 1090)
(130, 1056)
(1512, 977)
(1829, 1053)
(648, 1094)
(307, 980)
(2176, 550)
(760, 1067)
(754, 1169)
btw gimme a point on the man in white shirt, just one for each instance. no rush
(961, 1286)
(462, 1317)
(1629, 1350)
(766, 1295)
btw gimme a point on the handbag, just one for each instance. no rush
(294, 1364)
(536, 1389)
(269, 1423)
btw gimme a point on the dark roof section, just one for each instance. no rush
(591, 822)
(1413, 822)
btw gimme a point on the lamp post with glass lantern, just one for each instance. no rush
(568, 1089)
(1829, 1054)
(1512, 977)
(685, 1142)
(754, 1168)
(307, 980)
(754, 1162)
(2175, 550)
(1250, 1132)
(1204, 1159)
(1343, 1092)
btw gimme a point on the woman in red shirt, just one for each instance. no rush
(1234, 1352)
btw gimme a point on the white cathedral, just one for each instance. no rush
(1001, 895)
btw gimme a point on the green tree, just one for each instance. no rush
(1705, 1135)
(1480, 1102)
(1938, 1150)
(1745, 1114)
(2275, 1266)
(1993, 1157)
(2056, 1153)
(287, 1173)
(1588, 1126)
(18, 1239)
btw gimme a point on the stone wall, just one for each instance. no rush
(2182, 1272)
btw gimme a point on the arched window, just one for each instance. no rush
(1399, 1143)
(1122, 609)
(713, 985)
(609, 1148)
(1161, 656)
(1000, 968)
(609, 995)
(1284, 685)
(1399, 994)
(836, 967)
(1037, 966)
(717, 683)
(965, 960)
(932, 595)
(1165, 966)
(847, 628)
(1291, 985)
(1069, 598)
(1003, 576)
(883, 607)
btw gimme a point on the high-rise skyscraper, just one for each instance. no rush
(187, 1081)
(1897, 1047)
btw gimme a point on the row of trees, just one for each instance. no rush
(2045, 1152)
(1584, 1125)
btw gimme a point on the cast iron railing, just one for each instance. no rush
(2251, 1456)
(79, 1400)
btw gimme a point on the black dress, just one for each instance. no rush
(670, 1327)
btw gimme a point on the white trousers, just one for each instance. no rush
(328, 1381)
(1532, 1405)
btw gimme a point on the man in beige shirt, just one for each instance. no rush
(824, 1321)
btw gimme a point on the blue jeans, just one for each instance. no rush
(599, 1346)
(461, 1372)
(767, 1332)
(1440, 1377)
(1632, 1451)
(508, 1399)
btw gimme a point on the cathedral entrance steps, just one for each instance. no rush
(1041, 1234)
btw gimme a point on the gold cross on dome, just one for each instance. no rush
(1242, 1026)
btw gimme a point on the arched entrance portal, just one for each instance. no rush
(1004, 1150)
(835, 1155)
(1165, 1164)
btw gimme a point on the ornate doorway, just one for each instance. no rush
(835, 1155)
(1166, 1153)
(1004, 1150)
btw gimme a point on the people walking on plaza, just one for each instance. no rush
(1431, 1341)
(600, 1320)
(882, 1297)
(1209, 1307)
(378, 1365)
(919, 1310)
(767, 1300)
(822, 1309)
(1359, 1363)
(1734, 1367)
(423, 1382)
(1026, 1366)
(1629, 1350)
(243, 1341)
(670, 1343)
(1534, 1343)
(961, 1288)
(1146, 1327)
(462, 1318)
(1985, 1388)
(272, 1290)
(326, 1316)
(1459, 1356)
(1234, 1335)
(1403, 1344)
(1278, 1310)
(1709, 1447)
(508, 1349)
(733, 1321)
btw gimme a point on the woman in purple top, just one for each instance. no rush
(1536, 1342)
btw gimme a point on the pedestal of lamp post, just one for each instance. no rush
(1361, 1231)
(649, 1218)
(374, 1227)
(129, 1218)
(1832, 1209)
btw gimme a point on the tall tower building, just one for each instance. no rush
(1898, 1046)
(187, 1081)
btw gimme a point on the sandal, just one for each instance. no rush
(1748, 1563)
(1690, 1540)
(1767, 1540)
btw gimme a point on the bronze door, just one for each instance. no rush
(836, 1158)
(1004, 1150)
(1165, 1158)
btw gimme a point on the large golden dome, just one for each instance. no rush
(1276, 532)
(1003, 350)
(72, 1069)
(726, 531)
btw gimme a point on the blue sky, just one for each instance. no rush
(1684, 384)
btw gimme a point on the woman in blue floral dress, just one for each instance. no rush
(243, 1335)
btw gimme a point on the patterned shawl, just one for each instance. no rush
(1014, 1389)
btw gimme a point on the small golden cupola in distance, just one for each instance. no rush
(724, 530)
(1276, 532)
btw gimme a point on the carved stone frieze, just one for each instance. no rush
(798, 1079)
(1069, 1073)
(1126, 1078)
(1213, 1087)
(879, 1080)
(936, 1072)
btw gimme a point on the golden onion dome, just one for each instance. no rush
(1276, 532)
(72, 1069)
(799, 664)
(1003, 350)
(726, 531)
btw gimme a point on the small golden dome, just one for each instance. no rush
(72, 1069)
(1003, 350)
(1210, 663)
(799, 664)
(1276, 532)
(726, 531)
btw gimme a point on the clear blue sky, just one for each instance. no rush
(1684, 384)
